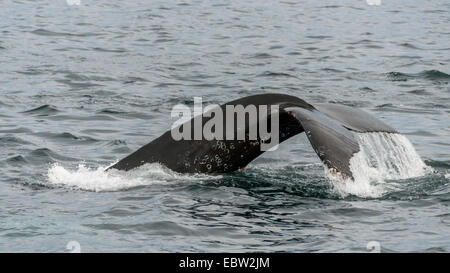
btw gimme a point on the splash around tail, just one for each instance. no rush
(383, 158)
(99, 180)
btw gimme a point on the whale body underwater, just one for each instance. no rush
(329, 128)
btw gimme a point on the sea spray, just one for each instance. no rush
(382, 157)
(97, 179)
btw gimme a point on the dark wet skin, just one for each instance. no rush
(328, 127)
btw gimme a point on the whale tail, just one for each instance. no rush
(329, 128)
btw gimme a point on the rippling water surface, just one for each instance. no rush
(81, 86)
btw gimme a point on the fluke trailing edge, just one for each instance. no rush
(328, 127)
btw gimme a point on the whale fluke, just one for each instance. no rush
(329, 128)
(353, 119)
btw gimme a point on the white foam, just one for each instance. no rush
(97, 179)
(382, 157)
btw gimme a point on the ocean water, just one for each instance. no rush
(83, 85)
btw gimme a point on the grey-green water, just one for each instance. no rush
(88, 84)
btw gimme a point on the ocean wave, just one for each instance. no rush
(432, 75)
